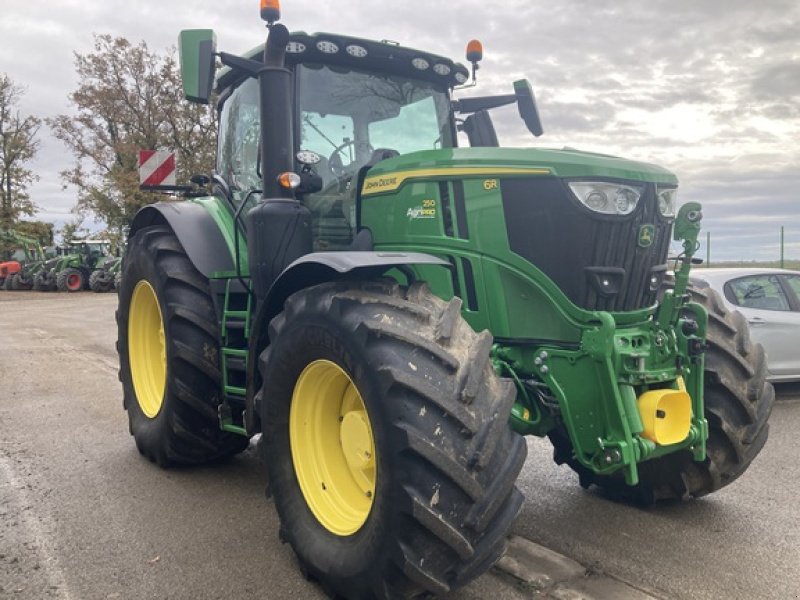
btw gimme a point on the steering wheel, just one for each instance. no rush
(337, 167)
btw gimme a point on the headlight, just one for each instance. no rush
(607, 198)
(667, 200)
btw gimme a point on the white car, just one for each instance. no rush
(770, 301)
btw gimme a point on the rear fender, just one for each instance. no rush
(197, 231)
(314, 269)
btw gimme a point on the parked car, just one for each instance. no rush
(770, 301)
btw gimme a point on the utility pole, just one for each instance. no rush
(708, 249)
(781, 246)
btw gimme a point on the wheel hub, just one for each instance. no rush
(73, 281)
(356, 440)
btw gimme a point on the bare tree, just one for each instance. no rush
(129, 98)
(18, 145)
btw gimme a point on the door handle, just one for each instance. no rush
(756, 321)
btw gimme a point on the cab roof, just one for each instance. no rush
(361, 53)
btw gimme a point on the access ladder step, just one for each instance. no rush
(236, 391)
(236, 363)
(226, 420)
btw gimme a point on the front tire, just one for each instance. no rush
(169, 348)
(21, 282)
(43, 282)
(738, 402)
(422, 429)
(100, 281)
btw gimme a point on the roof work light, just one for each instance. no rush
(474, 55)
(474, 51)
(270, 10)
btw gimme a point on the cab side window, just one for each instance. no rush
(239, 134)
(762, 292)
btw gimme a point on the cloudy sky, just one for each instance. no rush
(707, 88)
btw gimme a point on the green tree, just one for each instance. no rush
(129, 98)
(72, 229)
(18, 145)
(40, 230)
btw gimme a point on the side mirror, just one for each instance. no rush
(526, 103)
(197, 49)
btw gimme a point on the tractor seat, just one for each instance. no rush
(380, 154)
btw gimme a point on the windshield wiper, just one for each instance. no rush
(307, 119)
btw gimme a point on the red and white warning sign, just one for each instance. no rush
(156, 168)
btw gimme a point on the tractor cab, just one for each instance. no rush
(91, 250)
(357, 102)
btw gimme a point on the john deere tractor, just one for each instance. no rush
(393, 313)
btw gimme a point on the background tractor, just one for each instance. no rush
(16, 274)
(105, 275)
(71, 269)
(7, 270)
(393, 313)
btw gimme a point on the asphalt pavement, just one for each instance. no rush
(83, 516)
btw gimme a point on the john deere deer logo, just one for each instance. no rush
(646, 235)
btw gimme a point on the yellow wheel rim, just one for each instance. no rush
(147, 349)
(333, 450)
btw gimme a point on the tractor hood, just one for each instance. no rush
(517, 198)
(390, 174)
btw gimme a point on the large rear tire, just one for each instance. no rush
(169, 349)
(8, 283)
(386, 440)
(70, 280)
(738, 402)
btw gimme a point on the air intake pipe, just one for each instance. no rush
(278, 227)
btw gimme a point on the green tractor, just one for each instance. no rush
(44, 280)
(25, 278)
(393, 313)
(71, 268)
(106, 274)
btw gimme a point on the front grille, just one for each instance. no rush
(595, 259)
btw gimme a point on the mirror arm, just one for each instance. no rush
(472, 105)
(245, 65)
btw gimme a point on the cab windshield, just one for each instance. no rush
(346, 115)
(353, 119)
